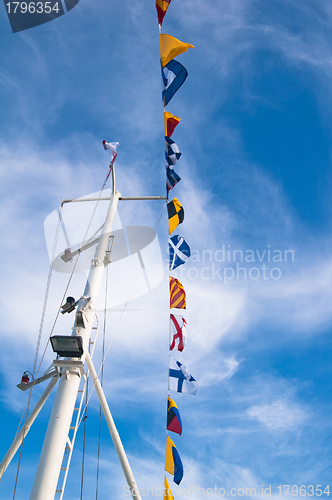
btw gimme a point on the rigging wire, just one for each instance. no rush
(38, 346)
(73, 271)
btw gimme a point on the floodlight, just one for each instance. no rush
(67, 346)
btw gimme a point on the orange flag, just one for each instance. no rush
(170, 47)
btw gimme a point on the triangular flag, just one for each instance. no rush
(162, 6)
(173, 463)
(173, 74)
(175, 214)
(172, 179)
(167, 491)
(170, 47)
(173, 417)
(171, 122)
(110, 145)
(177, 295)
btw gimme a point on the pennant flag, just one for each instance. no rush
(173, 461)
(170, 47)
(172, 179)
(179, 251)
(167, 491)
(175, 214)
(173, 417)
(172, 152)
(180, 379)
(173, 74)
(171, 121)
(162, 6)
(179, 325)
(110, 145)
(177, 294)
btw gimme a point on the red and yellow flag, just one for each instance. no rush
(162, 6)
(177, 294)
(171, 121)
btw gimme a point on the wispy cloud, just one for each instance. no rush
(279, 415)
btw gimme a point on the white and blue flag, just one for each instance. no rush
(179, 251)
(174, 74)
(172, 179)
(179, 379)
(172, 152)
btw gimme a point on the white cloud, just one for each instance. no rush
(279, 415)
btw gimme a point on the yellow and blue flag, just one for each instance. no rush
(173, 463)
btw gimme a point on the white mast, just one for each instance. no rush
(48, 471)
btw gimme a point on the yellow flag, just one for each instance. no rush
(167, 491)
(170, 47)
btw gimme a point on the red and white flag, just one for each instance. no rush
(179, 333)
(110, 145)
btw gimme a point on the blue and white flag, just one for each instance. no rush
(179, 251)
(172, 179)
(173, 74)
(179, 379)
(172, 152)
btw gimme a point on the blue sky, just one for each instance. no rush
(255, 137)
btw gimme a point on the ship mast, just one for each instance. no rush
(49, 466)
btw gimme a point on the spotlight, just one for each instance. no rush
(67, 346)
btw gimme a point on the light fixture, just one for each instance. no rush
(67, 346)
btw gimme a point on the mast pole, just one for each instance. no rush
(56, 438)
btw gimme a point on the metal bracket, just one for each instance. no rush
(23, 386)
(63, 363)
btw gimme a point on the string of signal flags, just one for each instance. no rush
(179, 379)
